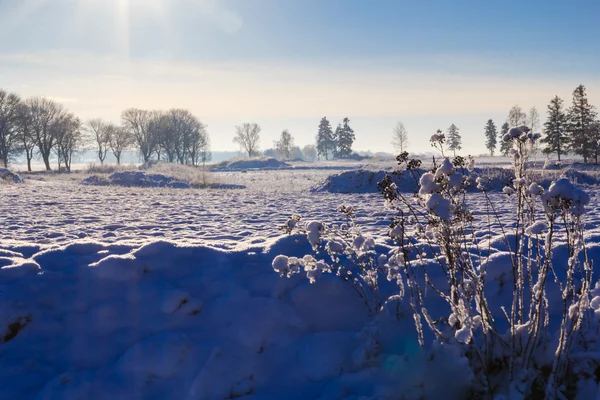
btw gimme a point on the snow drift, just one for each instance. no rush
(7, 175)
(137, 179)
(264, 163)
(495, 179)
(365, 181)
(96, 321)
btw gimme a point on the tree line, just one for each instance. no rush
(41, 126)
(400, 138)
(336, 144)
(573, 130)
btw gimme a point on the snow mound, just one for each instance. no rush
(226, 186)
(9, 176)
(95, 180)
(580, 177)
(264, 163)
(137, 179)
(365, 181)
(168, 320)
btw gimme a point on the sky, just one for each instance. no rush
(285, 64)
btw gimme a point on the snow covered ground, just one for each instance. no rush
(154, 293)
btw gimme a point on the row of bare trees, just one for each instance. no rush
(41, 126)
(37, 124)
(174, 136)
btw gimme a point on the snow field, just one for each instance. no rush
(113, 292)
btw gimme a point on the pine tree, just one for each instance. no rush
(492, 136)
(555, 137)
(595, 136)
(325, 142)
(581, 117)
(336, 139)
(505, 146)
(345, 139)
(454, 139)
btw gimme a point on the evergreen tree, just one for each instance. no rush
(491, 135)
(581, 117)
(504, 145)
(595, 136)
(555, 137)
(345, 139)
(336, 139)
(454, 139)
(325, 142)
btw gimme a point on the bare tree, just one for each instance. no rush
(140, 125)
(203, 145)
(100, 133)
(247, 136)
(309, 152)
(120, 139)
(199, 148)
(533, 119)
(284, 145)
(9, 107)
(26, 138)
(180, 131)
(400, 139)
(44, 114)
(516, 116)
(68, 139)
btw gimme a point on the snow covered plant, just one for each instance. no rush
(518, 346)
(350, 255)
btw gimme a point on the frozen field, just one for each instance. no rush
(153, 293)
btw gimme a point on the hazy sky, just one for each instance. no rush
(287, 63)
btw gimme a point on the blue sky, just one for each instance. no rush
(286, 63)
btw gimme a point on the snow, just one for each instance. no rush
(536, 228)
(7, 176)
(137, 179)
(262, 163)
(150, 292)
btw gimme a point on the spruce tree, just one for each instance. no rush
(505, 146)
(555, 137)
(336, 139)
(345, 139)
(491, 135)
(581, 117)
(454, 139)
(595, 136)
(325, 140)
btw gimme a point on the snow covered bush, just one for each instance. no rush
(518, 346)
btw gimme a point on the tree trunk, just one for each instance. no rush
(46, 158)
(28, 163)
